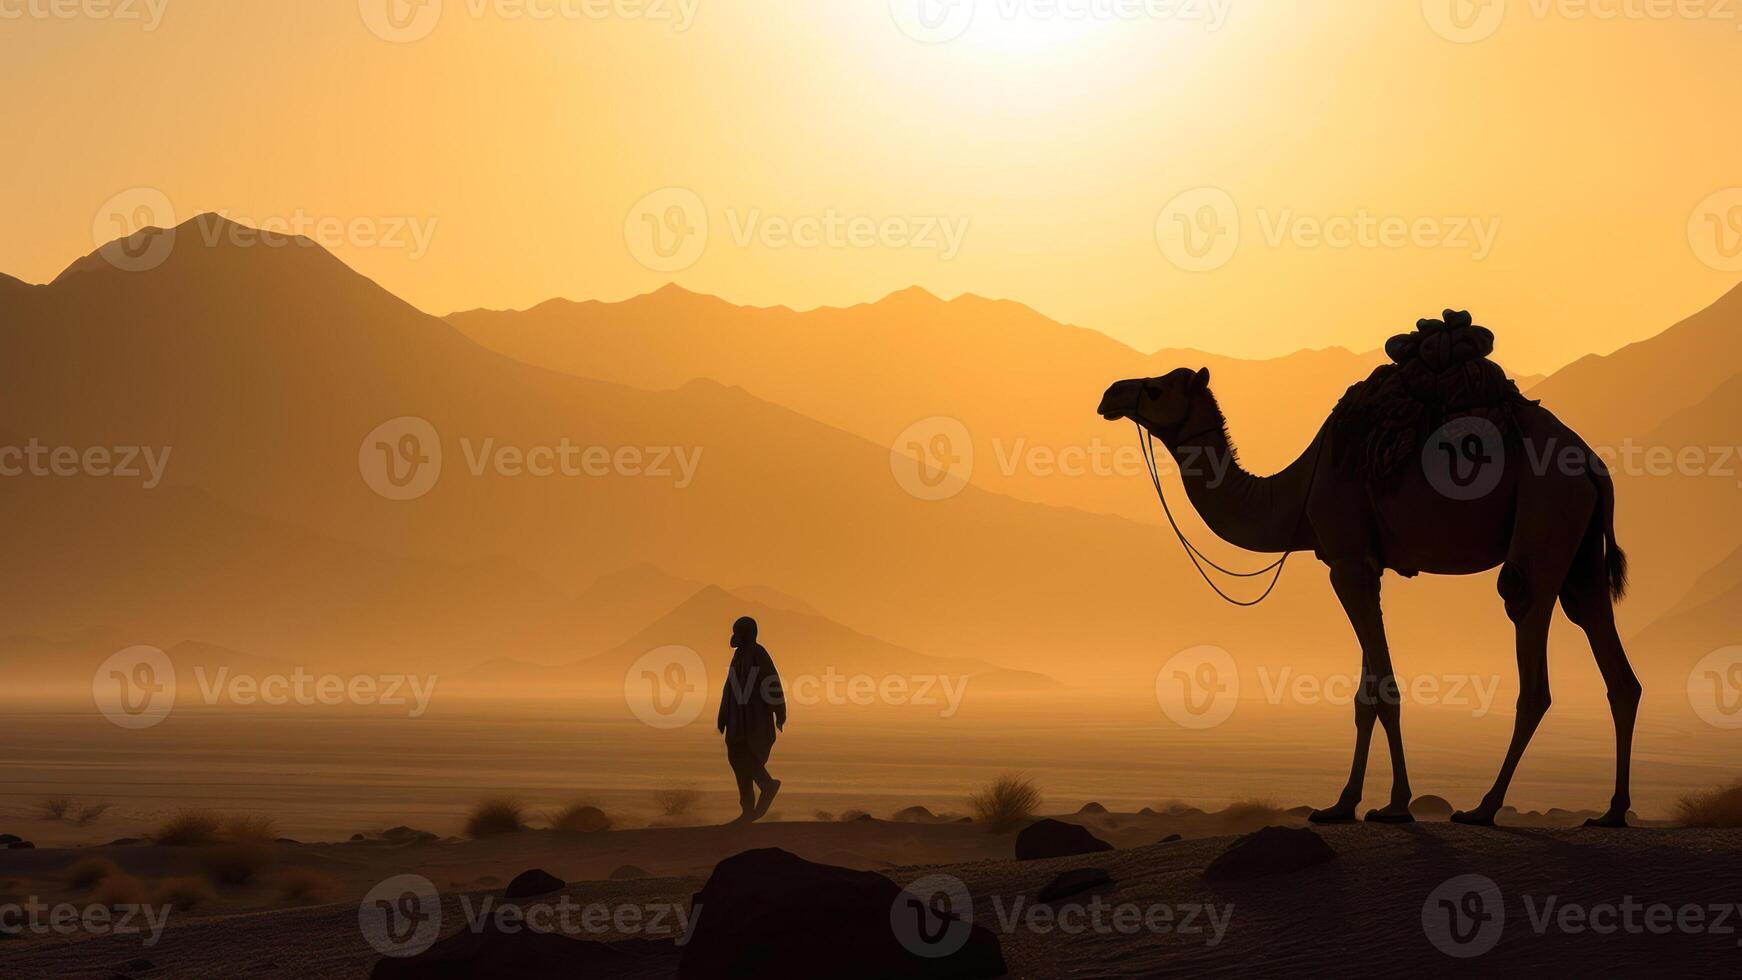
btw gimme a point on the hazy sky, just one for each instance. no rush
(1241, 175)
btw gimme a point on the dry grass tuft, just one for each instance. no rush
(307, 885)
(676, 801)
(1721, 807)
(189, 828)
(495, 816)
(1243, 816)
(248, 828)
(55, 807)
(90, 813)
(183, 893)
(1006, 803)
(87, 871)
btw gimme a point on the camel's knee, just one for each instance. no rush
(1624, 694)
(1534, 701)
(1514, 590)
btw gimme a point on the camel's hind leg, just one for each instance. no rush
(1585, 599)
(1547, 532)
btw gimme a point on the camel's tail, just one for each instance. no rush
(1615, 560)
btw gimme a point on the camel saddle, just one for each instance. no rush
(1439, 372)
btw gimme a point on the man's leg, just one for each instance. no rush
(745, 767)
(769, 784)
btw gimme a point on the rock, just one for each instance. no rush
(629, 871)
(1055, 838)
(358, 837)
(771, 914)
(526, 884)
(1093, 808)
(1271, 851)
(1074, 882)
(1146, 812)
(1169, 839)
(848, 816)
(585, 820)
(126, 841)
(9, 839)
(1431, 808)
(20, 845)
(915, 814)
(406, 835)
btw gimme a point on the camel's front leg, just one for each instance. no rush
(1376, 699)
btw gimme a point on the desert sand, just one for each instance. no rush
(1365, 905)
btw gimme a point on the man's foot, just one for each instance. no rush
(1395, 813)
(767, 799)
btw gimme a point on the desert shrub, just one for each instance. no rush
(1721, 807)
(245, 828)
(90, 813)
(119, 889)
(579, 818)
(183, 892)
(676, 801)
(236, 864)
(56, 807)
(188, 827)
(1005, 803)
(824, 816)
(87, 871)
(498, 815)
(307, 885)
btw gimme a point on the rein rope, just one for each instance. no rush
(1146, 443)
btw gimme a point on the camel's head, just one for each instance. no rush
(1160, 405)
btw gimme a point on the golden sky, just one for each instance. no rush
(1551, 166)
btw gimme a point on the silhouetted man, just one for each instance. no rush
(752, 710)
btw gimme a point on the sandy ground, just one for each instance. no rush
(1622, 901)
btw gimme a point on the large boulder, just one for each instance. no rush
(528, 884)
(1271, 851)
(1055, 838)
(766, 913)
(1431, 808)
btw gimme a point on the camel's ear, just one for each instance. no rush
(1201, 380)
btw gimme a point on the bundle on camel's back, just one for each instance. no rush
(1439, 372)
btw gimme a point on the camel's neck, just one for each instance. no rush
(1257, 513)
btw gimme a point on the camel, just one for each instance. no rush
(1549, 528)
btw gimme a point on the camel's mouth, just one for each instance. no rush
(1120, 401)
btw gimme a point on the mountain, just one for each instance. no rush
(1706, 619)
(264, 371)
(1635, 389)
(1023, 387)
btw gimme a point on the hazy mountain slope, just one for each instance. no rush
(263, 369)
(1628, 393)
(1023, 386)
